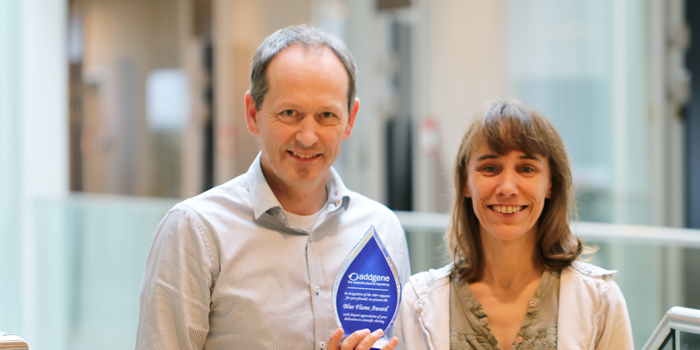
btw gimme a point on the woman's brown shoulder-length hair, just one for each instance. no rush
(510, 125)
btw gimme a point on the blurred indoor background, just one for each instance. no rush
(111, 111)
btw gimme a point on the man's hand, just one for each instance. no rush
(360, 340)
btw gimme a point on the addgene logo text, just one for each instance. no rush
(368, 277)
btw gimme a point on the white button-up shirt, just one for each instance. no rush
(227, 271)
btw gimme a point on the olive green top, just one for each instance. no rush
(469, 326)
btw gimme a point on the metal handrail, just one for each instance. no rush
(677, 318)
(12, 342)
(599, 232)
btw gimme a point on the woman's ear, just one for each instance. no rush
(467, 192)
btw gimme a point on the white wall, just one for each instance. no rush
(33, 143)
(10, 307)
(460, 60)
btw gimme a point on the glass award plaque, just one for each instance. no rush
(367, 291)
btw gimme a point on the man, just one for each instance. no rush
(250, 264)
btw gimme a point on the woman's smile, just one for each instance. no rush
(507, 209)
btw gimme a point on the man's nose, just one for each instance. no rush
(508, 185)
(306, 135)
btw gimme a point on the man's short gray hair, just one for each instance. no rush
(310, 38)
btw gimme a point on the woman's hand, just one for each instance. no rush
(360, 340)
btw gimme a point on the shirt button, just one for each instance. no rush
(533, 303)
(282, 215)
(317, 289)
(519, 340)
(322, 344)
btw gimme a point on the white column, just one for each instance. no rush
(619, 112)
(224, 130)
(43, 128)
(364, 168)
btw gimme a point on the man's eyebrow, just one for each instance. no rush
(284, 105)
(333, 106)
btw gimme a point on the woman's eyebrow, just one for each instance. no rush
(486, 156)
(529, 156)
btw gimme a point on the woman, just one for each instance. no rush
(514, 282)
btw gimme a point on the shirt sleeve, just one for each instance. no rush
(407, 328)
(176, 289)
(615, 328)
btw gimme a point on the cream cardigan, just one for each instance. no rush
(592, 311)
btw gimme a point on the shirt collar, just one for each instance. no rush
(263, 199)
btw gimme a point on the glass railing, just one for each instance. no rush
(91, 253)
(658, 267)
(678, 330)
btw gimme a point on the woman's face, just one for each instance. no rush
(508, 192)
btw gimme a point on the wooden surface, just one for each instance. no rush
(9, 341)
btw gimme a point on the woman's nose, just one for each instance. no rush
(508, 185)
(306, 135)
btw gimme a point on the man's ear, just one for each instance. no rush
(251, 114)
(351, 119)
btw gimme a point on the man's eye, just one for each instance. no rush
(327, 118)
(288, 112)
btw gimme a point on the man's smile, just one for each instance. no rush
(304, 155)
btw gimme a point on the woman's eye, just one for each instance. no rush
(527, 169)
(490, 168)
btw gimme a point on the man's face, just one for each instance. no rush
(303, 118)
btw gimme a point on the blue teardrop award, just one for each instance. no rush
(367, 290)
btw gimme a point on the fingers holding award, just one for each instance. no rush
(360, 340)
(367, 291)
